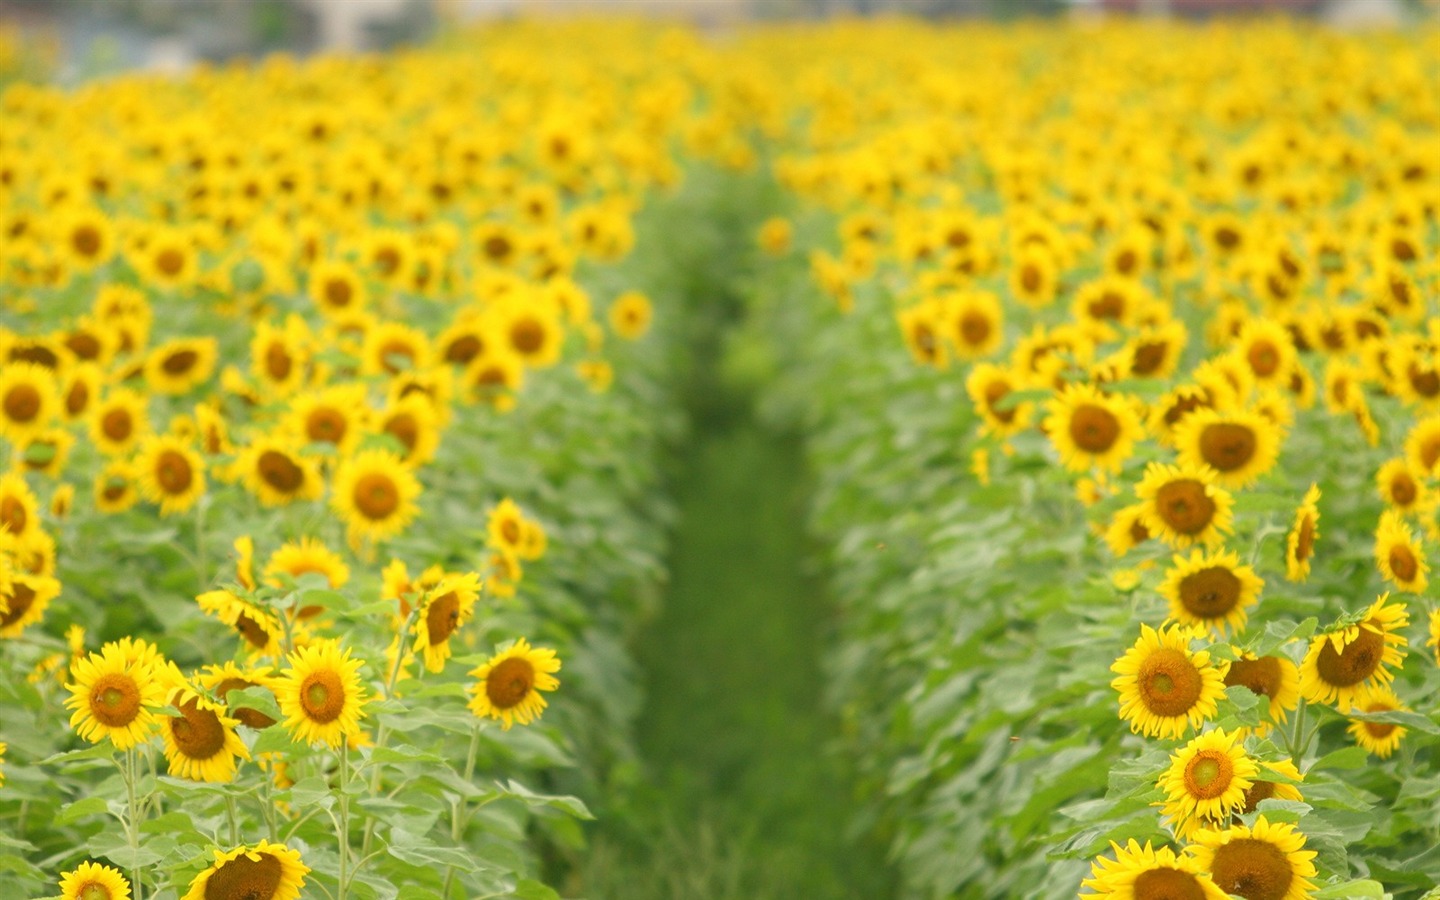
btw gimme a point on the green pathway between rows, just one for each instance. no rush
(746, 798)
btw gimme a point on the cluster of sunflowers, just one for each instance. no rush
(275, 305)
(1203, 293)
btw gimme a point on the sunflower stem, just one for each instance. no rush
(267, 803)
(344, 886)
(384, 732)
(1293, 739)
(202, 569)
(132, 822)
(458, 817)
(234, 819)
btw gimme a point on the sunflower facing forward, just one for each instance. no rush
(1164, 686)
(375, 494)
(264, 872)
(321, 695)
(201, 743)
(1239, 446)
(1342, 667)
(93, 881)
(1211, 589)
(1092, 430)
(1206, 782)
(1261, 862)
(510, 684)
(1399, 556)
(1380, 738)
(114, 695)
(1182, 505)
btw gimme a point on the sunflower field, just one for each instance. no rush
(347, 406)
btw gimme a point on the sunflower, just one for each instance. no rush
(168, 259)
(177, 366)
(1164, 687)
(93, 881)
(412, 422)
(505, 573)
(1238, 445)
(259, 628)
(391, 348)
(336, 288)
(1183, 505)
(1401, 485)
(534, 541)
(510, 684)
(23, 601)
(1277, 789)
(1092, 430)
(273, 469)
(119, 422)
(79, 388)
(115, 489)
(468, 337)
(494, 379)
(1398, 554)
(375, 494)
(1143, 873)
(29, 400)
(334, 417)
(225, 677)
(1275, 678)
(115, 695)
(169, 472)
(201, 743)
(307, 556)
(280, 356)
(44, 452)
(1304, 532)
(19, 507)
(630, 315)
(320, 694)
(1380, 738)
(3, 748)
(446, 608)
(1342, 667)
(1034, 276)
(1211, 589)
(1206, 782)
(1267, 349)
(264, 872)
(1172, 408)
(86, 237)
(534, 334)
(1261, 862)
(505, 527)
(1127, 530)
(1422, 445)
(988, 385)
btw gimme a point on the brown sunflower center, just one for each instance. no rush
(280, 471)
(442, 617)
(1264, 358)
(463, 349)
(1148, 357)
(338, 293)
(1211, 592)
(1403, 563)
(1209, 774)
(1260, 790)
(404, 428)
(1357, 662)
(1425, 381)
(278, 362)
(180, 362)
(247, 716)
(527, 336)
(497, 247)
(170, 261)
(996, 391)
(86, 240)
(84, 345)
(16, 604)
(510, 531)
(1167, 884)
(1403, 489)
(115, 699)
(974, 329)
(394, 351)
(252, 631)
(1261, 676)
(376, 496)
(326, 425)
(23, 403)
(117, 425)
(1227, 446)
(77, 398)
(1093, 428)
(510, 682)
(198, 732)
(173, 473)
(1305, 540)
(1184, 505)
(1379, 730)
(1253, 869)
(1169, 683)
(243, 878)
(13, 514)
(1030, 278)
(322, 695)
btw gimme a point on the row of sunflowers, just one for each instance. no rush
(1116, 352)
(331, 411)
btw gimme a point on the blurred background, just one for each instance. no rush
(86, 38)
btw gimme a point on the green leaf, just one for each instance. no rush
(572, 805)
(1357, 890)
(534, 890)
(1412, 720)
(86, 806)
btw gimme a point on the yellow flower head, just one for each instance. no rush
(93, 881)
(1207, 781)
(320, 694)
(1211, 589)
(1344, 666)
(1264, 860)
(1091, 429)
(1138, 872)
(1182, 505)
(1165, 688)
(114, 695)
(509, 685)
(265, 871)
(1380, 738)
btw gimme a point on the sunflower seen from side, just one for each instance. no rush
(1166, 688)
(1206, 782)
(1342, 667)
(265, 871)
(1276, 780)
(1266, 861)
(509, 685)
(1273, 677)
(1146, 873)
(1380, 738)
(1211, 589)
(93, 881)
(447, 607)
(321, 695)
(1304, 532)
(261, 630)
